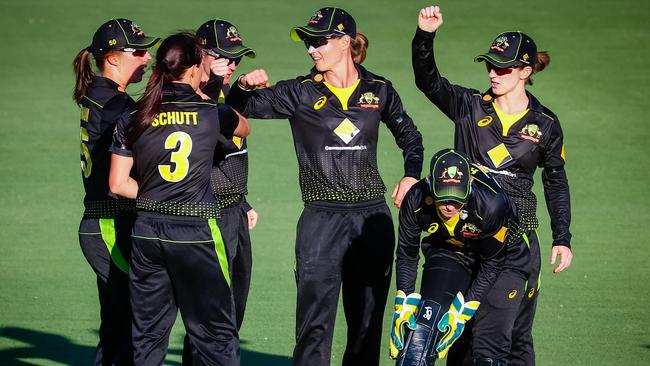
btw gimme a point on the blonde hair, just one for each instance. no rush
(359, 48)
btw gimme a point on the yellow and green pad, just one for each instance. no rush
(453, 322)
(406, 308)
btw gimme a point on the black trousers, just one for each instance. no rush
(502, 327)
(348, 245)
(181, 263)
(445, 273)
(233, 224)
(106, 244)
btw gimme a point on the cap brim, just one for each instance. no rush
(299, 33)
(236, 51)
(144, 43)
(445, 192)
(496, 60)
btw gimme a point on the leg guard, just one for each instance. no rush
(485, 361)
(420, 346)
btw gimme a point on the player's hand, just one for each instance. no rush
(430, 18)
(252, 218)
(404, 317)
(254, 79)
(565, 257)
(401, 188)
(453, 322)
(219, 66)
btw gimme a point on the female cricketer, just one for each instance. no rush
(178, 257)
(345, 235)
(509, 132)
(465, 215)
(221, 41)
(119, 49)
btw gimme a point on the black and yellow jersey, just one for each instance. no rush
(336, 141)
(101, 107)
(173, 156)
(512, 152)
(229, 175)
(480, 229)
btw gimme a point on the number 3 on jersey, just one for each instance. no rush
(179, 157)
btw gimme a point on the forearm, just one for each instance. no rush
(489, 269)
(119, 179)
(556, 194)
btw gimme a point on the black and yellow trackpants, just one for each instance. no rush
(106, 244)
(502, 327)
(346, 246)
(233, 222)
(180, 263)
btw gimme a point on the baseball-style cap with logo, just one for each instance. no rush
(510, 49)
(120, 34)
(449, 176)
(223, 38)
(326, 22)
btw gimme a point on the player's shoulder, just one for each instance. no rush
(544, 114)
(371, 78)
(488, 196)
(418, 197)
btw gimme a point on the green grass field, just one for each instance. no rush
(596, 313)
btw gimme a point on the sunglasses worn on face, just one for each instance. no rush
(210, 52)
(499, 71)
(136, 53)
(316, 41)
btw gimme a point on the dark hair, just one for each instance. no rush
(176, 54)
(84, 73)
(543, 59)
(359, 48)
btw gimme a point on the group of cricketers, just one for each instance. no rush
(166, 222)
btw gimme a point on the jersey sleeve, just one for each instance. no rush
(213, 87)
(228, 120)
(278, 101)
(492, 244)
(406, 134)
(121, 120)
(453, 100)
(556, 186)
(408, 242)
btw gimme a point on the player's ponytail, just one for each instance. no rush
(83, 74)
(359, 48)
(176, 54)
(543, 59)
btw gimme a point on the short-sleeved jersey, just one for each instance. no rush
(173, 156)
(335, 142)
(481, 230)
(534, 140)
(101, 107)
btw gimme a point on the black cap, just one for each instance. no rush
(510, 49)
(223, 38)
(326, 22)
(449, 176)
(120, 34)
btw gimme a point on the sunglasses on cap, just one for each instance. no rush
(317, 41)
(499, 71)
(136, 53)
(211, 52)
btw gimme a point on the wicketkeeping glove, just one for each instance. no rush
(405, 309)
(453, 322)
